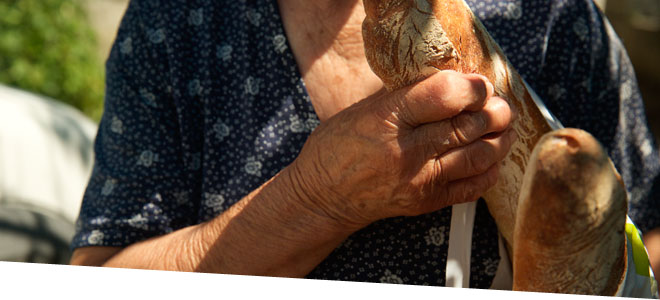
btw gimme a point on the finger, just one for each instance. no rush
(460, 191)
(441, 96)
(475, 158)
(470, 189)
(465, 128)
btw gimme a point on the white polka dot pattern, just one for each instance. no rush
(204, 103)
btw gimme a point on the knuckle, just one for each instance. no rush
(440, 172)
(407, 114)
(381, 109)
(390, 106)
(458, 133)
(439, 142)
(473, 88)
(404, 110)
(435, 139)
(437, 147)
(467, 127)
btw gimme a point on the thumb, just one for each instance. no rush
(438, 97)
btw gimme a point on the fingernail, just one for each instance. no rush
(490, 89)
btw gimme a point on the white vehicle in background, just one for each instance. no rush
(46, 158)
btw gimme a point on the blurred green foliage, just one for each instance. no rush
(48, 47)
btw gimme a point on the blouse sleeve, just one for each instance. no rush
(139, 186)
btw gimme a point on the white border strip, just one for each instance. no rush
(39, 281)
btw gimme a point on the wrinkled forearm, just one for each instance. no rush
(266, 233)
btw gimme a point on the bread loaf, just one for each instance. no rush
(570, 229)
(408, 40)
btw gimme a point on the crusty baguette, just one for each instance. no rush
(570, 231)
(408, 40)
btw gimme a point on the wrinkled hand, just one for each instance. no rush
(404, 153)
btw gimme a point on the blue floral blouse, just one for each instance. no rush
(204, 103)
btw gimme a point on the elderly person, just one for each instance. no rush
(251, 137)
